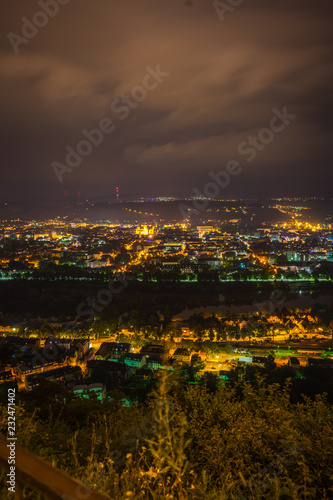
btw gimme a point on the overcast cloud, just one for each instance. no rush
(225, 79)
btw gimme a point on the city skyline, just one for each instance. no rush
(166, 249)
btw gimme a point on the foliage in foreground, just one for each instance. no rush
(188, 443)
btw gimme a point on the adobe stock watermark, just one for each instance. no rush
(131, 439)
(82, 492)
(266, 135)
(88, 308)
(104, 297)
(268, 474)
(49, 353)
(121, 107)
(211, 189)
(223, 7)
(140, 434)
(277, 299)
(11, 438)
(30, 28)
(249, 148)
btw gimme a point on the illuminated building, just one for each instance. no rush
(145, 230)
(205, 229)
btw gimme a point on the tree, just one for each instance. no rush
(194, 367)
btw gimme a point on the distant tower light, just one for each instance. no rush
(117, 194)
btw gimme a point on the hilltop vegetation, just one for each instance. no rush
(247, 441)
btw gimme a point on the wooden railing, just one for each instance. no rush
(40, 477)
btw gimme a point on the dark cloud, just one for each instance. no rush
(225, 79)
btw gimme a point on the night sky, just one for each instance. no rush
(220, 81)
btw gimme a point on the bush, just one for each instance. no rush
(187, 443)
